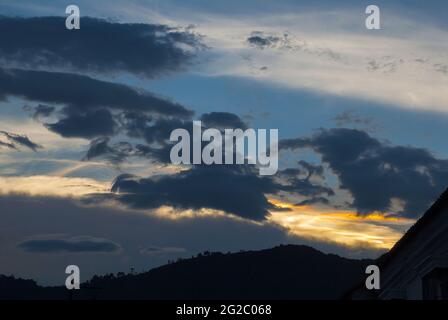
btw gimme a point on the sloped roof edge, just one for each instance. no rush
(432, 212)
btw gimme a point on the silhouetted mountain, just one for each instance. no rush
(284, 272)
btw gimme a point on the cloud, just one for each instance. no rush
(85, 107)
(99, 46)
(40, 111)
(299, 180)
(116, 153)
(365, 165)
(80, 94)
(156, 132)
(315, 200)
(80, 244)
(331, 52)
(43, 185)
(289, 43)
(350, 117)
(133, 230)
(7, 145)
(199, 186)
(260, 40)
(222, 120)
(36, 132)
(88, 125)
(442, 68)
(341, 226)
(16, 140)
(233, 189)
(89, 108)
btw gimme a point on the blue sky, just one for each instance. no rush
(247, 95)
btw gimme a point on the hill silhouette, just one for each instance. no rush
(283, 272)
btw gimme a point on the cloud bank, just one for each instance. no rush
(100, 46)
(80, 244)
(407, 176)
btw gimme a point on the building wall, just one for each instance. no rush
(402, 277)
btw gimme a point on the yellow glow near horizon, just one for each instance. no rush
(52, 186)
(343, 227)
(375, 230)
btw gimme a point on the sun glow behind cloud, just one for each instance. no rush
(55, 186)
(376, 230)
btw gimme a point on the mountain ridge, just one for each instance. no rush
(283, 272)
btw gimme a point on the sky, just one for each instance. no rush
(86, 116)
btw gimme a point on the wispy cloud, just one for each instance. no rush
(79, 244)
(310, 51)
(51, 186)
(14, 141)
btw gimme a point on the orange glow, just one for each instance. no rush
(375, 230)
(57, 186)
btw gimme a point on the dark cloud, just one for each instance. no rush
(116, 153)
(233, 189)
(159, 131)
(90, 108)
(81, 93)
(7, 145)
(99, 46)
(236, 190)
(316, 170)
(80, 244)
(90, 124)
(222, 120)
(86, 107)
(375, 172)
(288, 42)
(158, 154)
(299, 180)
(312, 201)
(17, 140)
(40, 111)
(349, 117)
(442, 68)
(156, 132)
(261, 40)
